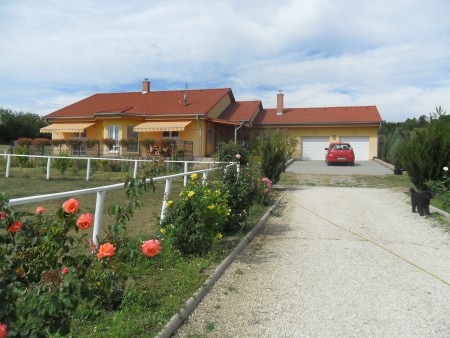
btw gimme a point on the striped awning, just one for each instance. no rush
(66, 128)
(161, 126)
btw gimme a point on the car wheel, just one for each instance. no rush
(352, 163)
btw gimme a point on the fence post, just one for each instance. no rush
(48, 168)
(8, 165)
(238, 168)
(98, 217)
(204, 177)
(166, 193)
(186, 164)
(135, 169)
(88, 169)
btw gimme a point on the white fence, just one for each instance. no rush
(88, 160)
(101, 191)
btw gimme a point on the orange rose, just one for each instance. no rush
(151, 248)
(40, 210)
(85, 221)
(15, 226)
(106, 250)
(71, 206)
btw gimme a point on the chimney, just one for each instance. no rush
(145, 86)
(280, 97)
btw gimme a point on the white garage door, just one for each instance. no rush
(313, 148)
(360, 145)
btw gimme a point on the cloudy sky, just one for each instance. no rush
(394, 54)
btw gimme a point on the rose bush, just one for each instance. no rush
(48, 266)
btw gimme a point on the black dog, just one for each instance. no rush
(421, 201)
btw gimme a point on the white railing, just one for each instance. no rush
(89, 159)
(101, 191)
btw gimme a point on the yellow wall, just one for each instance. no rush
(371, 132)
(219, 107)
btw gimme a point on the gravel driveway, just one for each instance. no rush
(306, 275)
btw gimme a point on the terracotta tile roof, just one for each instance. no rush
(325, 115)
(153, 103)
(241, 111)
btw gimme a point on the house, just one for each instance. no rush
(315, 128)
(199, 119)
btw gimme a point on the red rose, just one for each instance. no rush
(151, 248)
(65, 270)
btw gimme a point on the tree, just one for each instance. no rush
(427, 152)
(275, 146)
(15, 125)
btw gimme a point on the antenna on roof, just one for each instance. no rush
(185, 94)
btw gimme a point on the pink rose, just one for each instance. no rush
(40, 210)
(238, 156)
(106, 250)
(151, 247)
(85, 221)
(65, 270)
(2, 215)
(71, 206)
(3, 330)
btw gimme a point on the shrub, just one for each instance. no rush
(24, 141)
(242, 189)
(441, 188)
(62, 162)
(228, 151)
(193, 223)
(40, 143)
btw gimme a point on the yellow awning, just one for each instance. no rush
(161, 126)
(66, 128)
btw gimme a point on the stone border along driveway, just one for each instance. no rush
(341, 262)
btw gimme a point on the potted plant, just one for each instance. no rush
(398, 167)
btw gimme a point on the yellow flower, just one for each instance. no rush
(208, 191)
(194, 176)
(191, 193)
(219, 236)
(169, 203)
(163, 231)
(210, 207)
(217, 192)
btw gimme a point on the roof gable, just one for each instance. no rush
(241, 111)
(324, 115)
(150, 104)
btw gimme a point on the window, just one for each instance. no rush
(170, 134)
(132, 148)
(113, 132)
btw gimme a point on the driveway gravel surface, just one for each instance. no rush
(334, 262)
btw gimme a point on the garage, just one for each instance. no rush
(313, 148)
(360, 145)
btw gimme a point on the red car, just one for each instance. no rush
(340, 153)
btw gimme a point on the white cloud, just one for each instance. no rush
(393, 54)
